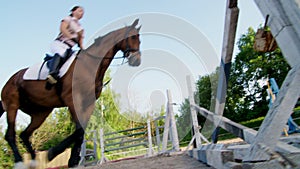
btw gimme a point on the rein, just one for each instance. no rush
(97, 57)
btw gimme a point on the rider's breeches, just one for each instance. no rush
(58, 47)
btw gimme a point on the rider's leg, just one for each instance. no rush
(54, 69)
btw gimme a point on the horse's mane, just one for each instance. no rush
(99, 39)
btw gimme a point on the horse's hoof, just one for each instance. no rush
(20, 165)
(50, 154)
(73, 162)
(33, 164)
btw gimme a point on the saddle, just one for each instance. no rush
(39, 71)
(49, 58)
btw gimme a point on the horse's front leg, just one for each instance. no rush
(77, 137)
(75, 153)
(61, 147)
(10, 135)
(81, 119)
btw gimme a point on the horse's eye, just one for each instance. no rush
(134, 37)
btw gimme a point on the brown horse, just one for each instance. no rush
(78, 89)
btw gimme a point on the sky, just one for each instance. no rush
(28, 28)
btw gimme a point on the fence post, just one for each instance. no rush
(166, 132)
(174, 134)
(157, 135)
(150, 148)
(103, 158)
(95, 144)
(82, 152)
(193, 113)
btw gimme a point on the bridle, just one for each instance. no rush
(126, 52)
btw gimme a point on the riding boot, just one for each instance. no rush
(54, 70)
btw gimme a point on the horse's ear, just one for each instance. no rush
(139, 28)
(135, 23)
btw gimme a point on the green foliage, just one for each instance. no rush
(246, 98)
(6, 154)
(205, 96)
(55, 128)
(184, 122)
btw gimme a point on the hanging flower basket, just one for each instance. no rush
(264, 40)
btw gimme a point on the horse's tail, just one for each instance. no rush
(1, 109)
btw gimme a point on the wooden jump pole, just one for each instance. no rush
(284, 23)
(231, 19)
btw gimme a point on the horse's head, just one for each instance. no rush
(130, 44)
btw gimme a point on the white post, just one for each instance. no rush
(193, 113)
(82, 152)
(157, 135)
(95, 144)
(166, 132)
(175, 141)
(150, 148)
(103, 158)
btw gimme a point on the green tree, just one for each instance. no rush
(206, 90)
(184, 122)
(246, 98)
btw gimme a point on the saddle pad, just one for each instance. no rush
(35, 72)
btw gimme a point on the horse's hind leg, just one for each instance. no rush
(36, 120)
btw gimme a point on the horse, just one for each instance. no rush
(77, 89)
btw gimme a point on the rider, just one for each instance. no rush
(71, 33)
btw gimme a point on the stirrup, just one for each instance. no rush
(51, 79)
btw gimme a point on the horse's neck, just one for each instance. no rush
(100, 55)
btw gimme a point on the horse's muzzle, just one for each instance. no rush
(134, 59)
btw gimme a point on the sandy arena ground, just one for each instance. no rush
(181, 161)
